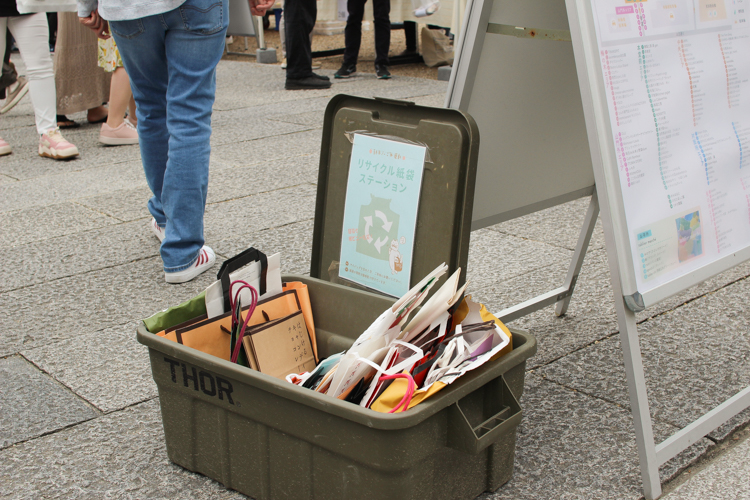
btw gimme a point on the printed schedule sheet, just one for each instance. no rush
(677, 78)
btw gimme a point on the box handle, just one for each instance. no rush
(398, 102)
(472, 439)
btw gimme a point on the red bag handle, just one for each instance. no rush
(233, 299)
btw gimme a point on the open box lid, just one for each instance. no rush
(447, 196)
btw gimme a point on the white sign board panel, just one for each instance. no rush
(676, 79)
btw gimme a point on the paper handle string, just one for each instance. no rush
(233, 299)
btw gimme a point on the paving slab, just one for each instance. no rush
(695, 357)
(123, 204)
(238, 217)
(293, 241)
(311, 119)
(38, 224)
(436, 100)
(497, 257)
(590, 316)
(89, 302)
(78, 253)
(572, 446)
(726, 477)
(25, 162)
(558, 226)
(305, 143)
(263, 177)
(107, 368)
(120, 455)
(226, 131)
(33, 404)
(57, 188)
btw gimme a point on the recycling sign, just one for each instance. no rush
(378, 227)
(380, 213)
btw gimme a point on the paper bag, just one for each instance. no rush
(280, 347)
(436, 48)
(211, 336)
(252, 266)
(304, 300)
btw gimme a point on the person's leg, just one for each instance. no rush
(194, 46)
(381, 10)
(410, 34)
(353, 30)
(31, 35)
(299, 19)
(175, 147)
(142, 47)
(119, 97)
(9, 75)
(282, 33)
(4, 146)
(131, 109)
(116, 131)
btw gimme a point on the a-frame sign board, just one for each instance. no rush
(664, 87)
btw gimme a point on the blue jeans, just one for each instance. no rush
(171, 60)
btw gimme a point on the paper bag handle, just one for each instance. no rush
(506, 415)
(238, 261)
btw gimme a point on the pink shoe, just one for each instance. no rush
(4, 147)
(53, 145)
(124, 134)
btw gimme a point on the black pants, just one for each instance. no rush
(9, 75)
(299, 21)
(381, 10)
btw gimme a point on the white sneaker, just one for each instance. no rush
(206, 259)
(157, 229)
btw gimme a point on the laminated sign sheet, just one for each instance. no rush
(380, 214)
(677, 81)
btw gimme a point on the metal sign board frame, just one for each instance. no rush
(514, 72)
(627, 300)
(491, 30)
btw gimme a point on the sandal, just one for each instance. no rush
(65, 122)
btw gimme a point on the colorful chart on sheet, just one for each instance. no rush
(677, 77)
(380, 213)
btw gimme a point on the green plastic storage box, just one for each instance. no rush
(273, 440)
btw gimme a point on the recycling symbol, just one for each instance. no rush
(378, 227)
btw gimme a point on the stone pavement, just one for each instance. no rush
(79, 412)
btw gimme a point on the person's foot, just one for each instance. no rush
(119, 136)
(4, 147)
(65, 122)
(307, 83)
(382, 71)
(322, 77)
(53, 145)
(283, 63)
(345, 71)
(15, 94)
(157, 229)
(98, 114)
(206, 259)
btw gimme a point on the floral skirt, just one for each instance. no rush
(109, 56)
